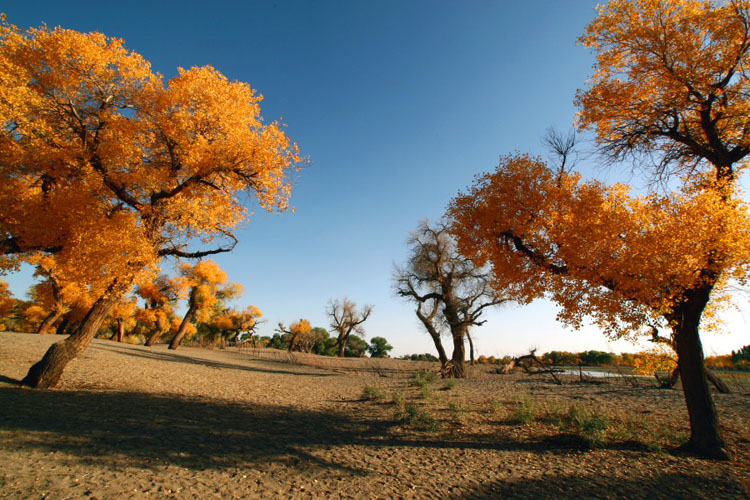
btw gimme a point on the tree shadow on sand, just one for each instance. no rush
(179, 358)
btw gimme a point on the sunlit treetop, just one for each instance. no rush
(110, 167)
(596, 249)
(671, 80)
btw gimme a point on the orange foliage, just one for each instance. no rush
(110, 168)
(594, 249)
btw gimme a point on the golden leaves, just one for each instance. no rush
(595, 249)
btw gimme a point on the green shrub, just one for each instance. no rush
(525, 413)
(426, 392)
(449, 384)
(370, 393)
(588, 424)
(423, 378)
(419, 418)
(458, 410)
(398, 398)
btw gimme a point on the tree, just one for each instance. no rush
(123, 316)
(231, 324)
(356, 347)
(204, 280)
(671, 83)
(345, 319)
(110, 169)
(323, 344)
(160, 296)
(297, 330)
(436, 272)
(379, 347)
(630, 263)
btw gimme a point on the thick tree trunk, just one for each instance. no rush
(189, 315)
(705, 438)
(293, 342)
(458, 361)
(46, 325)
(47, 372)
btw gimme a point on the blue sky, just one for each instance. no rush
(398, 104)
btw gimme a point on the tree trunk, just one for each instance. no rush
(189, 315)
(471, 349)
(435, 335)
(46, 325)
(458, 363)
(120, 330)
(705, 438)
(47, 372)
(293, 342)
(153, 337)
(341, 342)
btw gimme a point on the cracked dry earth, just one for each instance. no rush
(136, 422)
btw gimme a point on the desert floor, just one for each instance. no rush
(136, 422)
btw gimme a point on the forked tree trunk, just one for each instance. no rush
(293, 342)
(47, 372)
(705, 438)
(189, 315)
(46, 325)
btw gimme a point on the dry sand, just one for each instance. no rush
(136, 422)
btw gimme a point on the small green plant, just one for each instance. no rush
(525, 413)
(496, 405)
(370, 393)
(423, 378)
(416, 416)
(588, 424)
(449, 384)
(426, 392)
(398, 398)
(458, 410)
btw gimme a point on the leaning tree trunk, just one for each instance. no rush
(47, 372)
(189, 315)
(705, 438)
(293, 342)
(435, 335)
(46, 325)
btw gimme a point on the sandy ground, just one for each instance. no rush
(135, 422)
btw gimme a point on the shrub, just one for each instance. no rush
(526, 411)
(370, 393)
(419, 418)
(423, 378)
(449, 384)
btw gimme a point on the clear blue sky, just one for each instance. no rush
(398, 104)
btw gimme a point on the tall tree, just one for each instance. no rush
(671, 84)
(630, 263)
(111, 169)
(345, 319)
(7, 306)
(231, 324)
(207, 285)
(123, 317)
(436, 272)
